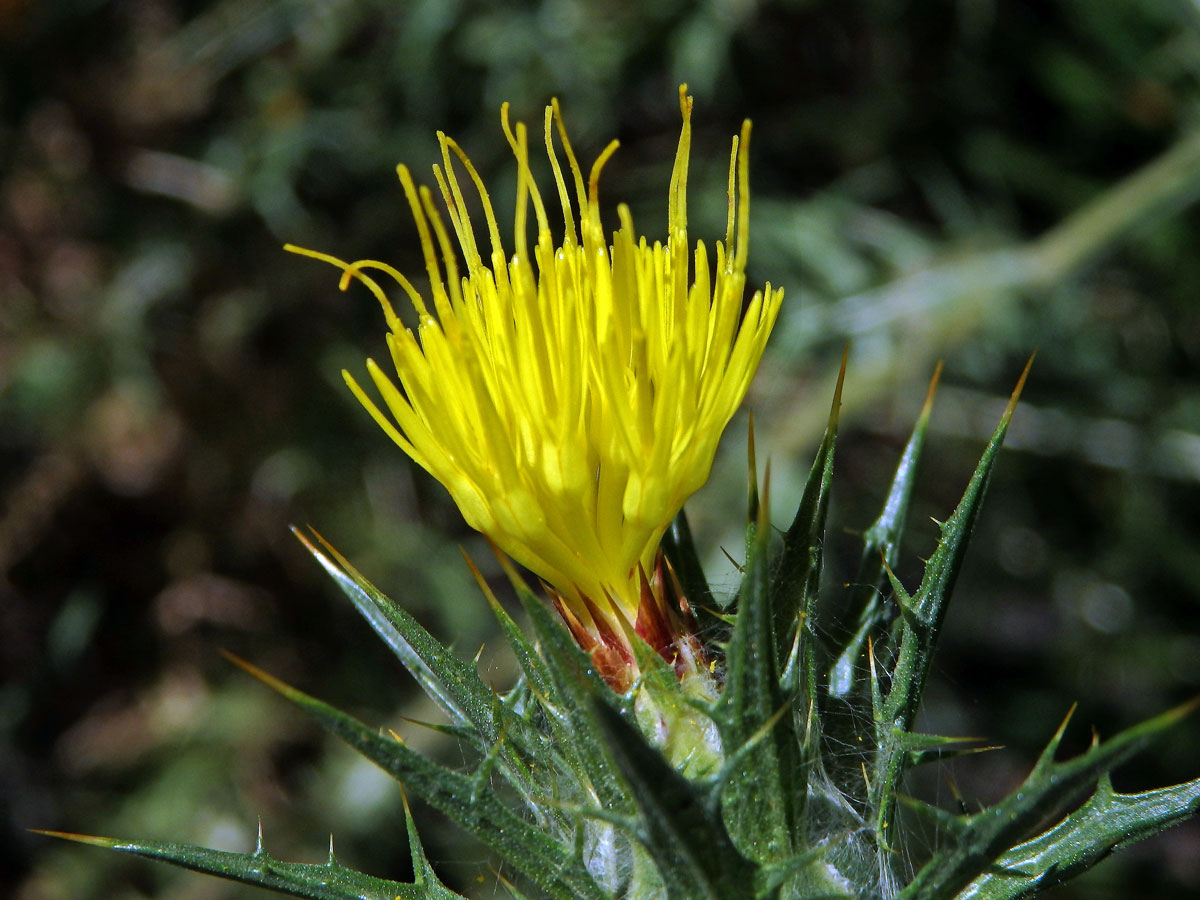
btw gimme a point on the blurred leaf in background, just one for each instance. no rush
(170, 398)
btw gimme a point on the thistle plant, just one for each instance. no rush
(663, 740)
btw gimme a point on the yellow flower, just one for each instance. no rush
(570, 395)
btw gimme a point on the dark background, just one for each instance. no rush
(170, 399)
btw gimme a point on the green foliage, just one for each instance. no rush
(329, 880)
(592, 807)
(984, 839)
(467, 798)
(919, 625)
(1107, 821)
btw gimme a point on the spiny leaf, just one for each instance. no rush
(317, 881)
(916, 740)
(854, 693)
(561, 675)
(1107, 822)
(765, 799)
(1050, 787)
(574, 682)
(941, 571)
(541, 858)
(771, 660)
(422, 871)
(453, 684)
(921, 621)
(527, 657)
(793, 611)
(881, 549)
(681, 829)
(946, 748)
(796, 571)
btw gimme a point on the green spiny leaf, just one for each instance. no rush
(765, 800)
(1050, 787)
(574, 682)
(881, 549)
(941, 571)
(796, 572)
(317, 881)
(423, 874)
(771, 661)
(541, 858)
(854, 695)
(681, 828)
(921, 621)
(952, 750)
(545, 673)
(452, 683)
(1107, 822)
(752, 500)
(527, 656)
(916, 741)
(792, 602)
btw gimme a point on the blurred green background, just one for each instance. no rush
(967, 180)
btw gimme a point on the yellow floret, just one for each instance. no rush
(570, 396)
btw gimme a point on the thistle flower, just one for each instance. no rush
(570, 401)
(570, 396)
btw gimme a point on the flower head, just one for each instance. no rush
(570, 395)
